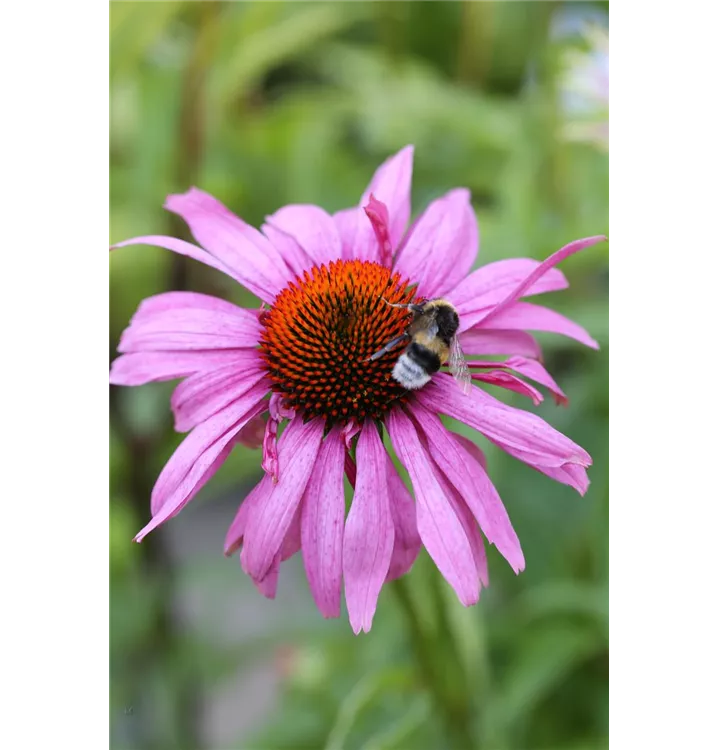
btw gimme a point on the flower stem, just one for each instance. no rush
(426, 649)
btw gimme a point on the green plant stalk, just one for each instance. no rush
(425, 648)
(454, 674)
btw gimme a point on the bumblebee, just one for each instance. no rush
(432, 342)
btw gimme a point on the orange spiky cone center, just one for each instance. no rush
(322, 330)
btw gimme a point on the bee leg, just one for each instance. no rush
(391, 345)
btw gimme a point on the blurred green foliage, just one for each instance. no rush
(267, 103)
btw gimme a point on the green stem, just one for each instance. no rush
(455, 673)
(454, 714)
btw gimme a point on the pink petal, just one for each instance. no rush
(440, 530)
(181, 248)
(187, 321)
(473, 450)
(540, 270)
(266, 529)
(251, 258)
(267, 587)
(295, 256)
(510, 382)
(391, 184)
(379, 217)
(293, 539)
(277, 413)
(139, 368)
(291, 545)
(252, 434)
(478, 341)
(407, 542)
(322, 525)
(526, 316)
(189, 301)
(531, 369)
(488, 285)
(571, 474)
(313, 228)
(270, 457)
(197, 459)
(254, 499)
(472, 483)
(203, 394)
(347, 220)
(471, 528)
(350, 429)
(529, 437)
(198, 330)
(278, 410)
(369, 533)
(350, 469)
(442, 246)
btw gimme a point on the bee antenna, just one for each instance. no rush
(392, 304)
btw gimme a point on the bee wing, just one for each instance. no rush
(458, 367)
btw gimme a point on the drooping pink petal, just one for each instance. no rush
(510, 382)
(530, 368)
(379, 217)
(196, 460)
(181, 248)
(487, 286)
(530, 438)
(322, 525)
(267, 527)
(442, 246)
(291, 545)
(571, 474)
(391, 184)
(440, 530)
(267, 587)
(254, 499)
(539, 271)
(313, 228)
(203, 394)
(472, 483)
(471, 527)
(252, 259)
(138, 368)
(527, 316)
(186, 321)
(407, 542)
(479, 341)
(472, 449)
(187, 302)
(235, 534)
(369, 532)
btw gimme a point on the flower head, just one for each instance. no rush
(302, 368)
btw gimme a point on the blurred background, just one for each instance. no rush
(267, 103)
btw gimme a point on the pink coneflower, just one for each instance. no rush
(301, 364)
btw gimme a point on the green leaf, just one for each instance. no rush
(367, 690)
(258, 47)
(540, 662)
